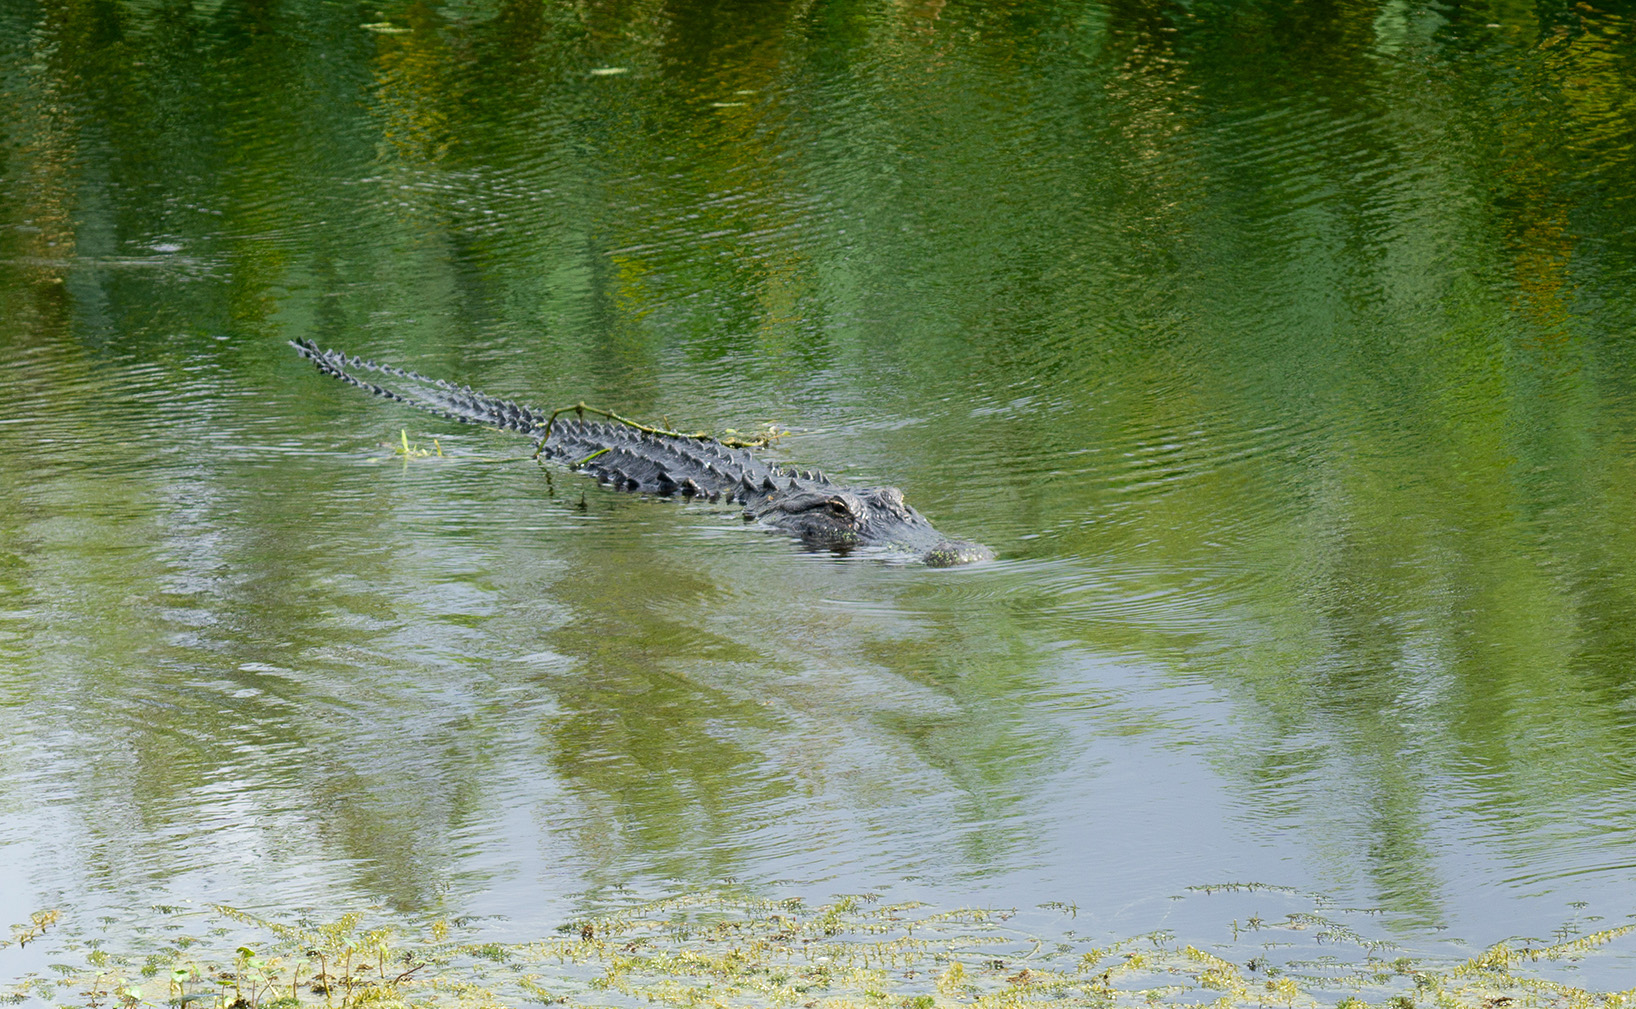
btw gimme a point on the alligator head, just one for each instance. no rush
(841, 518)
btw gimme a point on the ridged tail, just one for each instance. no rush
(432, 395)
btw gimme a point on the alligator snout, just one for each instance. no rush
(951, 553)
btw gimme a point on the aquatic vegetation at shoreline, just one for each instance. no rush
(709, 949)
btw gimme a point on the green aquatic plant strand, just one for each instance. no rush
(576, 464)
(729, 438)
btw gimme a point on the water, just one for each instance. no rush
(1281, 357)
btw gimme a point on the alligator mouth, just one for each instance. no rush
(952, 553)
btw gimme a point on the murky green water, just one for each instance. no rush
(1283, 353)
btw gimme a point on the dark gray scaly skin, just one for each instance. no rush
(806, 504)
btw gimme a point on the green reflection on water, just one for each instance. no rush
(1280, 351)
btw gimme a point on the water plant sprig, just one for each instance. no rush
(26, 932)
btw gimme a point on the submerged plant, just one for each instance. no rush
(28, 931)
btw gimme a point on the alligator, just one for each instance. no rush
(643, 460)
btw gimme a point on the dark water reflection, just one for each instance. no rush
(1278, 351)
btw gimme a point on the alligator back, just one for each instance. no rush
(623, 455)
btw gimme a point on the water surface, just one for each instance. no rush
(1282, 354)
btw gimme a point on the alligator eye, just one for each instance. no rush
(838, 508)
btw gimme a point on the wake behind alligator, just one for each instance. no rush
(642, 461)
